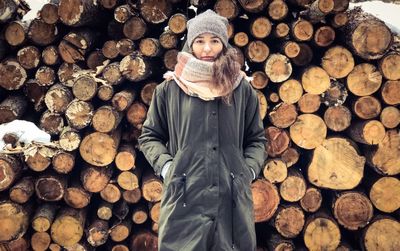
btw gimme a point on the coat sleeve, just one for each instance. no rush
(154, 136)
(254, 135)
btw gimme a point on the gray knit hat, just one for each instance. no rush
(210, 22)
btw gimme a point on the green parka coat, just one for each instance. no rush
(206, 201)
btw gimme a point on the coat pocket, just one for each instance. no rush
(243, 170)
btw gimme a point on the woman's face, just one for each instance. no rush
(207, 47)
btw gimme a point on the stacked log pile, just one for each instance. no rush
(328, 82)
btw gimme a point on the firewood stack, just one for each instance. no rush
(84, 71)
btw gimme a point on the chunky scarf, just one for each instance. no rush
(194, 77)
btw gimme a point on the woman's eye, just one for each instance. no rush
(215, 41)
(198, 41)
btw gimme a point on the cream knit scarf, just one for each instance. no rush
(194, 77)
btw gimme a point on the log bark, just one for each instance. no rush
(353, 210)
(336, 164)
(12, 107)
(44, 217)
(278, 68)
(8, 9)
(369, 132)
(318, 10)
(97, 233)
(67, 228)
(305, 55)
(276, 242)
(265, 200)
(13, 75)
(79, 13)
(22, 191)
(14, 221)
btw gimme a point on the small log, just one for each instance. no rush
(8, 10)
(63, 162)
(135, 67)
(278, 141)
(139, 214)
(95, 59)
(94, 179)
(65, 73)
(336, 164)
(104, 211)
(302, 30)
(50, 55)
(338, 62)
(260, 27)
(369, 132)
(123, 99)
(14, 221)
(353, 210)
(367, 107)
(290, 91)
(309, 103)
(109, 4)
(16, 32)
(281, 30)
(128, 180)
(265, 200)
(384, 194)
(132, 196)
(337, 118)
(315, 80)
(147, 91)
(168, 40)
(45, 76)
(125, 158)
(318, 10)
(52, 123)
(10, 169)
(50, 187)
(35, 94)
(390, 117)
(76, 196)
(111, 193)
(125, 46)
(79, 13)
(106, 119)
(311, 200)
(97, 232)
(278, 10)
(361, 26)
(135, 28)
(170, 59)
(79, 114)
(381, 228)
(260, 80)
(21, 244)
(69, 140)
(335, 95)
(29, 57)
(151, 187)
(105, 92)
(283, 115)
(12, 107)
(23, 190)
(290, 156)
(386, 158)
(364, 79)
(278, 68)
(177, 23)
(305, 55)
(341, 5)
(240, 39)
(43, 217)
(144, 240)
(122, 13)
(340, 19)
(391, 92)
(49, 12)
(85, 87)
(155, 12)
(39, 161)
(120, 247)
(110, 49)
(291, 49)
(41, 33)
(275, 171)
(67, 228)
(13, 75)
(154, 227)
(40, 241)
(253, 6)
(293, 188)
(112, 74)
(257, 51)
(227, 8)
(121, 210)
(155, 212)
(321, 232)
(324, 36)
(389, 65)
(58, 98)
(150, 47)
(276, 243)
(289, 220)
(120, 231)
(136, 114)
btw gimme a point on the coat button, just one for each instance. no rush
(214, 113)
(212, 218)
(214, 148)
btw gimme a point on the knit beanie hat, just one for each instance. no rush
(210, 22)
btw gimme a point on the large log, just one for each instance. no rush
(265, 200)
(321, 232)
(14, 221)
(78, 12)
(381, 227)
(384, 194)
(13, 75)
(11, 108)
(10, 170)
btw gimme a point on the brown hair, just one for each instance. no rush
(226, 69)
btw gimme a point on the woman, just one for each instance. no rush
(203, 135)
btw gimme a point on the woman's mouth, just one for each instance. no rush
(207, 58)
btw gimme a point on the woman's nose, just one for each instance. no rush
(207, 47)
